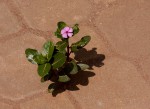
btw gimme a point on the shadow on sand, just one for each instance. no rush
(81, 78)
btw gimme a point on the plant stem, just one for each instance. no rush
(68, 53)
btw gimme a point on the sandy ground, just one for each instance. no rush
(120, 31)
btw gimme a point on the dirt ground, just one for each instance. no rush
(120, 31)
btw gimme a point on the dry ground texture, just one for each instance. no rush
(120, 30)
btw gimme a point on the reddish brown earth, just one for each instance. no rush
(120, 30)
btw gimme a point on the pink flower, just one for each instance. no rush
(67, 32)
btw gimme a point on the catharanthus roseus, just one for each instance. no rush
(67, 32)
(54, 61)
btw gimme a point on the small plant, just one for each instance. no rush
(54, 62)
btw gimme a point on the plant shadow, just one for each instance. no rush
(82, 77)
(90, 57)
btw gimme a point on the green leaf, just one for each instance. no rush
(74, 67)
(82, 66)
(39, 59)
(80, 44)
(61, 45)
(59, 60)
(34, 57)
(67, 68)
(51, 87)
(44, 69)
(75, 29)
(30, 53)
(46, 77)
(58, 34)
(48, 49)
(61, 25)
(64, 78)
(62, 51)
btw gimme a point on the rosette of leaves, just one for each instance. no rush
(53, 60)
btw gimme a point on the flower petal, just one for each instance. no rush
(70, 30)
(64, 35)
(70, 34)
(66, 28)
(63, 31)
